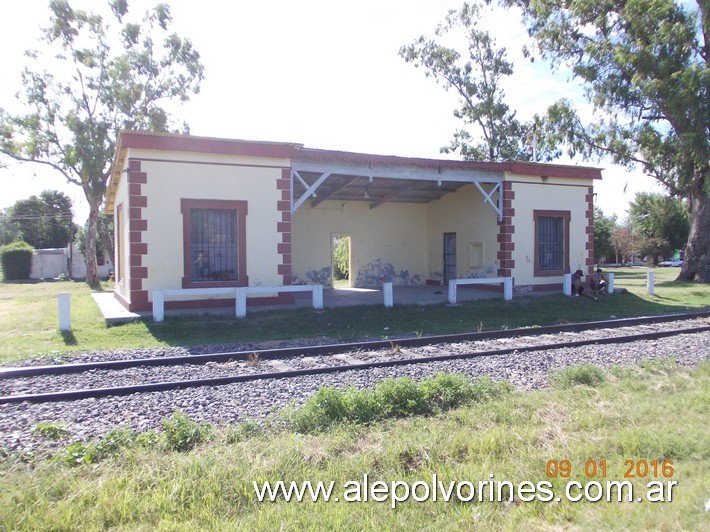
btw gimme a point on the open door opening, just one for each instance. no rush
(342, 261)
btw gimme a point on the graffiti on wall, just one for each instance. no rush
(321, 276)
(378, 272)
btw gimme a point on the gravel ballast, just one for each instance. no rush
(90, 418)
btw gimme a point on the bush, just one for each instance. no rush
(585, 374)
(16, 259)
(182, 434)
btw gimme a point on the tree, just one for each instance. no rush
(9, 232)
(663, 220)
(477, 81)
(645, 65)
(624, 244)
(106, 75)
(341, 257)
(603, 228)
(44, 221)
(104, 242)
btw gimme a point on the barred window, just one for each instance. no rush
(551, 242)
(550, 249)
(214, 243)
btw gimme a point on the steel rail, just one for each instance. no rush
(74, 395)
(328, 349)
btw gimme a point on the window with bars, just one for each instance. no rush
(215, 247)
(551, 242)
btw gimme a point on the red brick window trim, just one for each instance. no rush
(214, 243)
(551, 242)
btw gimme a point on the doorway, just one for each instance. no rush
(341, 260)
(449, 257)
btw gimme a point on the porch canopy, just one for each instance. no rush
(319, 175)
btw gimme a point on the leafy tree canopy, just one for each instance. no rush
(645, 67)
(492, 132)
(91, 77)
(603, 229)
(43, 221)
(661, 217)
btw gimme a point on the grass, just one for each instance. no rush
(28, 317)
(656, 411)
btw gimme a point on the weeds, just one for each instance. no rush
(51, 430)
(584, 374)
(391, 398)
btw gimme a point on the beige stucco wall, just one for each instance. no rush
(389, 238)
(216, 177)
(465, 214)
(121, 202)
(558, 194)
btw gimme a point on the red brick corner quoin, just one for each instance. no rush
(138, 249)
(506, 229)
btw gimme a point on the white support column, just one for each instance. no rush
(567, 284)
(649, 282)
(240, 302)
(387, 291)
(610, 284)
(318, 296)
(158, 306)
(64, 307)
(508, 289)
(452, 291)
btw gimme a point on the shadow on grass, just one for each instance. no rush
(68, 337)
(374, 322)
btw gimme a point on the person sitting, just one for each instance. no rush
(598, 283)
(578, 286)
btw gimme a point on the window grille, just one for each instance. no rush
(550, 242)
(213, 245)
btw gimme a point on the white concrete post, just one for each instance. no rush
(610, 284)
(158, 305)
(452, 291)
(567, 284)
(240, 303)
(387, 291)
(64, 305)
(649, 282)
(508, 288)
(318, 296)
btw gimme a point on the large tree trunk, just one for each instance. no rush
(92, 271)
(696, 262)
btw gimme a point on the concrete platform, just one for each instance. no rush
(112, 310)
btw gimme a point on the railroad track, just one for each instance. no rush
(68, 382)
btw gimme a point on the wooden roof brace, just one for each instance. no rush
(488, 198)
(310, 189)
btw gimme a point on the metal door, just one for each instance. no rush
(449, 257)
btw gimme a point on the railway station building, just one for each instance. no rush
(199, 212)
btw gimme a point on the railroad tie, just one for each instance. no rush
(278, 365)
(350, 360)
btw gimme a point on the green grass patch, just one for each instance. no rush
(583, 374)
(653, 412)
(28, 317)
(391, 398)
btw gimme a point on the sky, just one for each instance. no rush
(322, 73)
